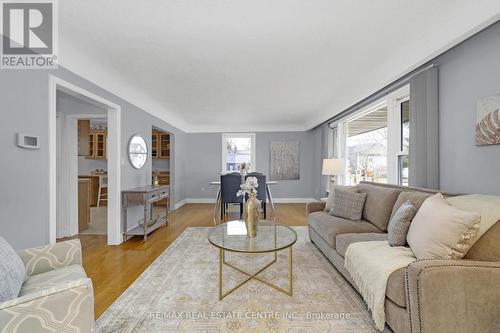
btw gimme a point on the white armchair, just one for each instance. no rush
(57, 296)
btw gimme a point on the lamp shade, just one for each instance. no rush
(333, 166)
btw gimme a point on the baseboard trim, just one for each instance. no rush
(212, 201)
(180, 204)
(294, 200)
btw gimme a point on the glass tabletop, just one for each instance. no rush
(232, 236)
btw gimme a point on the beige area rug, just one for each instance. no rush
(179, 293)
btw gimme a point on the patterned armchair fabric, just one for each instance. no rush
(57, 295)
(47, 258)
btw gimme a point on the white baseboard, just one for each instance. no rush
(294, 200)
(180, 204)
(212, 201)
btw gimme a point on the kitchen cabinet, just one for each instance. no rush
(160, 145)
(83, 137)
(83, 204)
(98, 145)
(164, 145)
(94, 188)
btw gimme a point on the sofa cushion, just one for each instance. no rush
(379, 203)
(330, 226)
(400, 223)
(12, 272)
(52, 278)
(344, 240)
(441, 231)
(396, 287)
(416, 198)
(331, 194)
(348, 205)
(487, 245)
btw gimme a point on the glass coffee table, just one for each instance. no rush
(271, 238)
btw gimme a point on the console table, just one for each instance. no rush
(145, 196)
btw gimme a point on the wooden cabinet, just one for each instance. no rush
(94, 188)
(98, 145)
(83, 204)
(83, 137)
(160, 143)
(164, 146)
(154, 145)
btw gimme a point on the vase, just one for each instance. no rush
(252, 209)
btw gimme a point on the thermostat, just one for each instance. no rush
(28, 141)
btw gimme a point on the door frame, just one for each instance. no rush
(171, 162)
(114, 156)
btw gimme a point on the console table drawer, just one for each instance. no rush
(157, 195)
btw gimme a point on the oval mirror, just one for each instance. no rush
(137, 151)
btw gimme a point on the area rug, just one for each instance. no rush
(179, 293)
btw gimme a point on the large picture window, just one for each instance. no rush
(236, 149)
(366, 149)
(375, 141)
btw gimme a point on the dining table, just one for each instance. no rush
(219, 197)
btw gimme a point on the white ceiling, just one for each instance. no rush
(257, 65)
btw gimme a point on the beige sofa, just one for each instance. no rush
(57, 295)
(428, 295)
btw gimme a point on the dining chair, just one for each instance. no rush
(261, 190)
(230, 185)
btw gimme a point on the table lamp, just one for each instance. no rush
(333, 167)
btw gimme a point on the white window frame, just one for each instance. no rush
(252, 136)
(393, 102)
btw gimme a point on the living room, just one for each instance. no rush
(269, 167)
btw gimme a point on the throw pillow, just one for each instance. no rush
(441, 231)
(331, 194)
(12, 272)
(487, 205)
(400, 223)
(348, 204)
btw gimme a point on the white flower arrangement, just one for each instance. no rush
(249, 187)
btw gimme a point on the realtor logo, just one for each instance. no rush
(29, 34)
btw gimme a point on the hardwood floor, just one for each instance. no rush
(114, 268)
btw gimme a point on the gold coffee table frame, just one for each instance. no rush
(254, 276)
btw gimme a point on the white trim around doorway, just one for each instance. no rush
(114, 156)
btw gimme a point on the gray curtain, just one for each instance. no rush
(424, 130)
(321, 151)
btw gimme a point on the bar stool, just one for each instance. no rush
(103, 183)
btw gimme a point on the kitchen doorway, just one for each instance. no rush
(67, 225)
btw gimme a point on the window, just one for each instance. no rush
(375, 141)
(236, 149)
(403, 159)
(366, 148)
(405, 125)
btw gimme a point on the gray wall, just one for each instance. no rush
(205, 154)
(24, 173)
(24, 196)
(467, 72)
